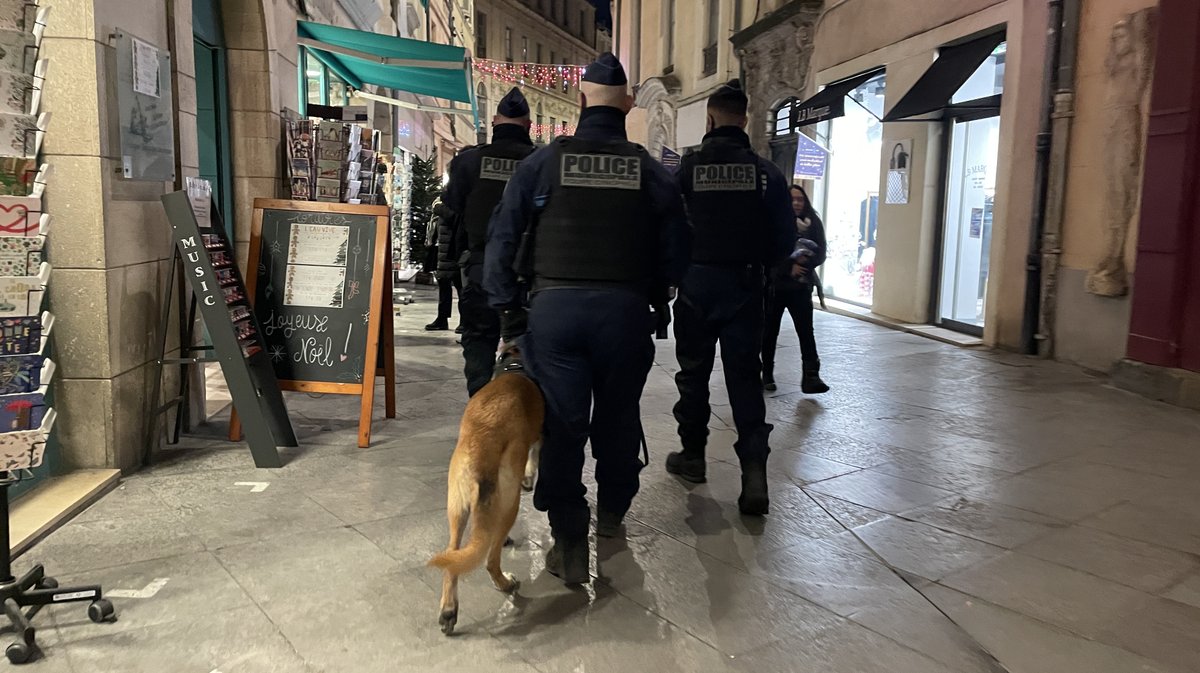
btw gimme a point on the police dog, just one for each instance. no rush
(497, 454)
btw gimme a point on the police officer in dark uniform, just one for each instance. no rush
(609, 237)
(477, 180)
(741, 217)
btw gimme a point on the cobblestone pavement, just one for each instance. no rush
(938, 505)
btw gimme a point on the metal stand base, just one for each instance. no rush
(33, 590)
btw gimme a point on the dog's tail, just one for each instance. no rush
(483, 529)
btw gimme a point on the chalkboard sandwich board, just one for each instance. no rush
(320, 285)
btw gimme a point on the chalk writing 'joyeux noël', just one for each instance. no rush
(289, 324)
(315, 352)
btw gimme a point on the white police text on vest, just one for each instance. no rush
(725, 178)
(602, 171)
(497, 168)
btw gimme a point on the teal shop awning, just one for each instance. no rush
(398, 63)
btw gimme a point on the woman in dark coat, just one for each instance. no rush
(790, 288)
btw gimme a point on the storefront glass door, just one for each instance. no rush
(967, 233)
(848, 198)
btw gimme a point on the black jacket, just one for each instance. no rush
(813, 230)
(447, 253)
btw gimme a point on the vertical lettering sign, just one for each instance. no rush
(210, 268)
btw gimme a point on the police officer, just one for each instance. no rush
(608, 235)
(741, 218)
(477, 179)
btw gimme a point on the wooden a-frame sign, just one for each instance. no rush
(320, 282)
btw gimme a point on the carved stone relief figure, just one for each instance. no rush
(1129, 66)
(660, 116)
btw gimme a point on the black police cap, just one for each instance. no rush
(606, 70)
(513, 105)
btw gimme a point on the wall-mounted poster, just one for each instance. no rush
(146, 120)
(811, 159)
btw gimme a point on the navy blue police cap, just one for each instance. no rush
(606, 70)
(513, 105)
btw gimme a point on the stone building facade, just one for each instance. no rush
(558, 32)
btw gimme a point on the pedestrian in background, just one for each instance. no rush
(791, 289)
(442, 238)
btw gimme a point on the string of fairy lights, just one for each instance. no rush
(546, 76)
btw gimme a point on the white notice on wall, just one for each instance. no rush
(145, 69)
(200, 194)
(317, 286)
(318, 244)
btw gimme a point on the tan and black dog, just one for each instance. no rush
(496, 456)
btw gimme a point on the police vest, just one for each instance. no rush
(723, 187)
(595, 229)
(496, 165)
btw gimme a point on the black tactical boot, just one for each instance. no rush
(812, 384)
(754, 501)
(608, 524)
(568, 561)
(439, 325)
(769, 378)
(688, 465)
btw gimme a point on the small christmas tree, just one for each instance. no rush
(426, 186)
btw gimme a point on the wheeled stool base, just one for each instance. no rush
(24, 597)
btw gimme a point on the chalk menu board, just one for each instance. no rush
(317, 277)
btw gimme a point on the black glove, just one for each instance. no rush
(513, 323)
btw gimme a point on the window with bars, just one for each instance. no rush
(784, 117)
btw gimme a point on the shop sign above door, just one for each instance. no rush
(364, 13)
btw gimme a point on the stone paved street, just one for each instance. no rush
(1054, 519)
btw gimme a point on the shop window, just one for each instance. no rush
(988, 79)
(847, 198)
(321, 85)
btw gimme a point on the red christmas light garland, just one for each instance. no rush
(546, 76)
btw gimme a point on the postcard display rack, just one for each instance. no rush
(26, 416)
(335, 162)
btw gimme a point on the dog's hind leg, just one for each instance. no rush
(448, 617)
(505, 582)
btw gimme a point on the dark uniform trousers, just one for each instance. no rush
(481, 325)
(590, 351)
(725, 306)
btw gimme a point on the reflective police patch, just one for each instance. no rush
(725, 178)
(602, 171)
(497, 168)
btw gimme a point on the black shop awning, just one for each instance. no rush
(830, 102)
(954, 66)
